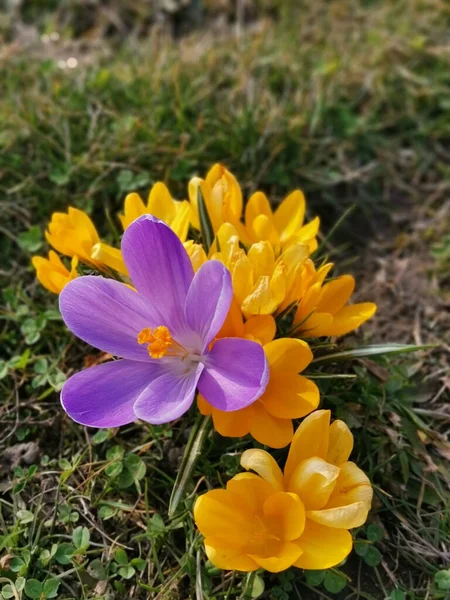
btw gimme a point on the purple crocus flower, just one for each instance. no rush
(164, 333)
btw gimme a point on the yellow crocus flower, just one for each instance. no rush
(161, 205)
(261, 281)
(222, 195)
(283, 227)
(73, 234)
(301, 517)
(52, 273)
(323, 308)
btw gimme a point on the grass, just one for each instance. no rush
(349, 101)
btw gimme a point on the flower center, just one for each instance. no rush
(161, 343)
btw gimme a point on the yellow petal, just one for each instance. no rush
(109, 256)
(82, 223)
(227, 558)
(269, 430)
(263, 228)
(160, 203)
(285, 555)
(265, 465)
(352, 485)
(196, 254)
(290, 396)
(180, 222)
(342, 517)
(310, 439)
(236, 423)
(313, 480)
(257, 205)
(288, 355)
(317, 325)
(261, 300)
(253, 490)
(323, 272)
(341, 443)
(262, 259)
(285, 515)
(290, 214)
(308, 302)
(308, 231)
(193, 187)
(242, 278)
(351, 317)
(323, 547)
(262, 328)
(204, 406)
(234, 323)
(228, 239)
(223, 514)
(293, 259)
(134, 207)
(335, 294)
(52, 273)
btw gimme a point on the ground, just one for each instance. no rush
(347, 100)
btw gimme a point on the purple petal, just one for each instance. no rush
(159, 268)
(107, 315)
(104, 396)
(208, 300)
(168, 397)
(236, 374)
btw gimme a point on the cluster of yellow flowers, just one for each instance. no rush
(265, 519)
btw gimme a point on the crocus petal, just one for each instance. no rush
(323, 547)
(341, 443)
(262, 328)
(290, 396)
(269, 430)
(235, 374)
(133, 208)
(257, 205)
(290, 214)
(285, 555)
(343, 517)
(335, 294)
(167, 397)
(222, 514)
(103, 396)
(233, 325)
(159, 268)
(288, 355)
(313, 481)
(233, 424)
(316, 325)
(263, 228)
(208, 300)
(109, 256)
(265, 465)
(351, 317)
(352, 485)
(252, 490)
(310, 439)
(224, 557)
(160, 203)
(285, 514)
(107, 315)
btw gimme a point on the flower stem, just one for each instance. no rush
(193, 449)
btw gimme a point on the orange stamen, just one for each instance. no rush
(159, 341)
